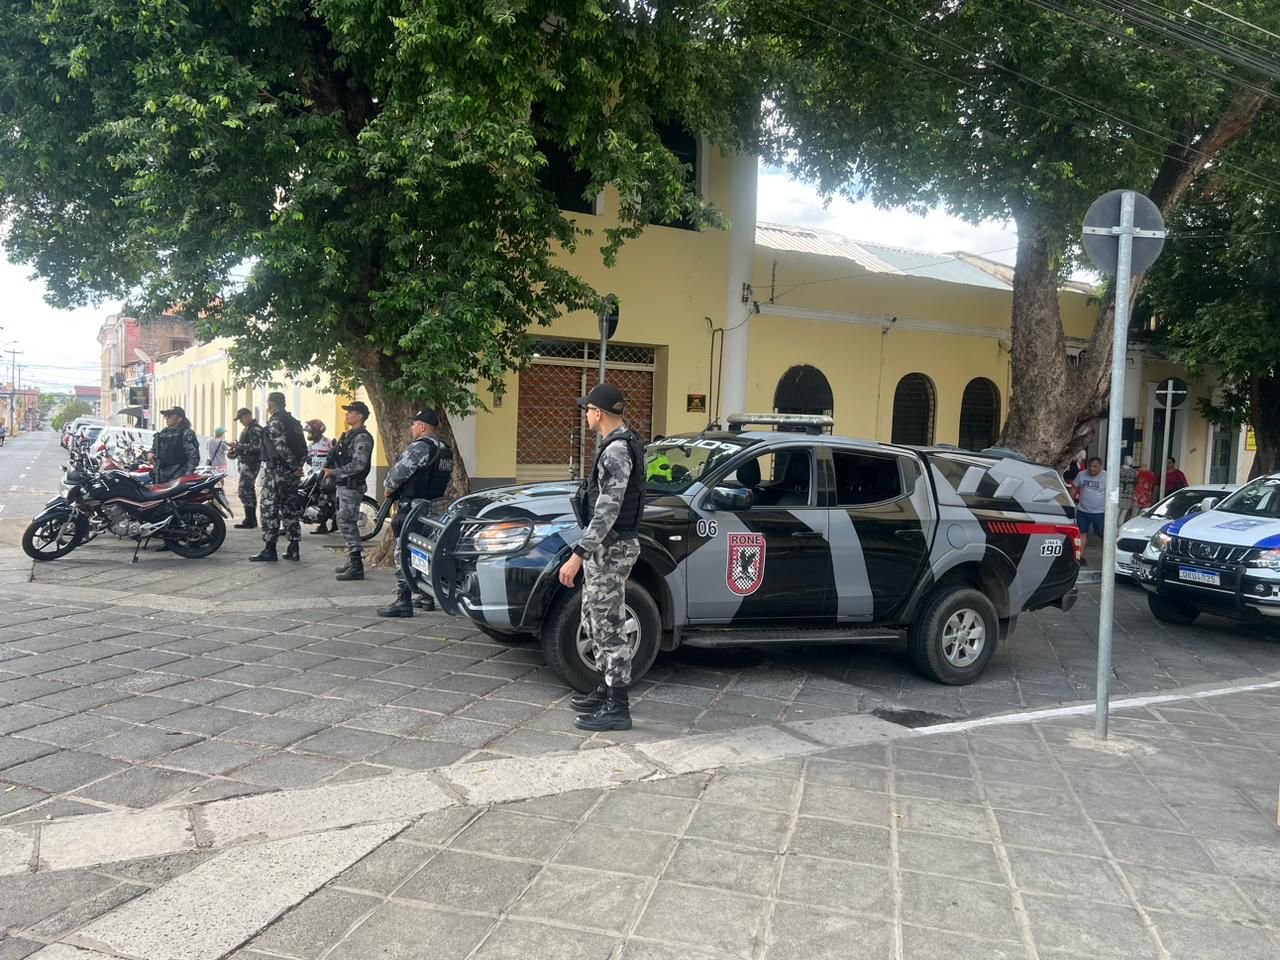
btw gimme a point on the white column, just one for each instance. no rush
(737, 318)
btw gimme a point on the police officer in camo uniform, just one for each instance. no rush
(421, 473)
(352, 460)
(248, 452)
(284, 450)
(608, 505)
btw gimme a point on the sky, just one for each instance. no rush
(60, 347)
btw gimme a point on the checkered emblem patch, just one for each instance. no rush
(746, 563)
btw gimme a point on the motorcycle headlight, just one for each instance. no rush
(506, 537)
(1267, 559)
(1159, 541)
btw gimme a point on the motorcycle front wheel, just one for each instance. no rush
(368, 521)
(53, 538)
(196, 532)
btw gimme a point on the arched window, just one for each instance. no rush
(803, 389)
(979, 415)
(914, 403)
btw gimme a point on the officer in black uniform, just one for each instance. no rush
(175, 450)
(421, 473)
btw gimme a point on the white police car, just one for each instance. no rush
(1225, 560)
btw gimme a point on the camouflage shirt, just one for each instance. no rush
(275, 444)
(613, 476)
(249, 448)
(418, 454)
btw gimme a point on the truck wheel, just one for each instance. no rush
(1169, 610)
(568, 651)
(954, 636)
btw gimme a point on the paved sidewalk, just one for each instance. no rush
(1025, 839)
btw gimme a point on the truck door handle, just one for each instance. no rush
(907, 534)
(807, 535)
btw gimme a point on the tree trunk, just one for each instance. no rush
(394, 413)
(1054, 409)
(1264, 417)
(1040, 423)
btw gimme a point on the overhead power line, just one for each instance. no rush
(1239, 20)
(1258, 179)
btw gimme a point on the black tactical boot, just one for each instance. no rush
(268, 553)
(354, 569)
(292, 552)
(323, 528)
(250, 521)
(424, 601)
(614, 715)
(589, 703)
(402, 607)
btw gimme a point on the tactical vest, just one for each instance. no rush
(341, 456)
(432, 478)
(627, 526)
(169, 447)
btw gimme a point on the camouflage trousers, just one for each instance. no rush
(604, 589)
(248, 488)
(280, 504)
(349, 517)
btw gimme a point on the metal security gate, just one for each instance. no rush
(552, 441)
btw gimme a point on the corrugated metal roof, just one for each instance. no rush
(879, 258)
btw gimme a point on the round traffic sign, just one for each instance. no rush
(1104, 248)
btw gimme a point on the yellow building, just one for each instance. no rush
(896, 344)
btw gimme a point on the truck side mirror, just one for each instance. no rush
(733, 499)
(1205, 505)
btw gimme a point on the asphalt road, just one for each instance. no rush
(29, 473)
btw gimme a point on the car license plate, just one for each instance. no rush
(420, 560)
(1196, 575)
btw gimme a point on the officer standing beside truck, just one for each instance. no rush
(608, 507)
(421, 473)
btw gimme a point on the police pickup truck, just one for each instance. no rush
(779, 536)
(1223, 558)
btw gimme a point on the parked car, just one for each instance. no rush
(74, 428)
(1137, 531)
(1224, 559)
(752, 537)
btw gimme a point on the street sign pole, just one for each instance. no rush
(1116, 255)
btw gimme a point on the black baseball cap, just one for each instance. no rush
(359, 406)
(174, 412)
(428, 417)
(243, 412)
(605, 396)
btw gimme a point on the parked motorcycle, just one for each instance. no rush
(187, 515)
(371, 517)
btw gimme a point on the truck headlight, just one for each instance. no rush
(506, 537)
(1159, 541)
(1268, 559)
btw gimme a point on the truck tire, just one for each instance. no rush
(954, 635)
(1169, 610)
(562, 637)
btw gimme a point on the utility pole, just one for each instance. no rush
(13, 383)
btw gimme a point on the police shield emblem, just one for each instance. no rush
(746, 563)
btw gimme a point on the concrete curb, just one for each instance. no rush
(96, 839)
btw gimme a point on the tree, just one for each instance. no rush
(70, 411)
(354, 186)
(1005, 110)
(1215, 296)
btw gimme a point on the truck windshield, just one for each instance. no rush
(674, 464)
(1259, 499)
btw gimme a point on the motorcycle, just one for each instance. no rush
(371, 515)
(187, 514)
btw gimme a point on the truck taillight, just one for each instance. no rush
(1019, 528)
(1073, 534)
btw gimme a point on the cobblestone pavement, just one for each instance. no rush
(1024, 840)
(125, 686)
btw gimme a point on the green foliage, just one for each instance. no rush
(346, 184)
(1215, 292)
(916, 103)
(70, 411)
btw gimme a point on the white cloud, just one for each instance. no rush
(59, 347)
(784, 200)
